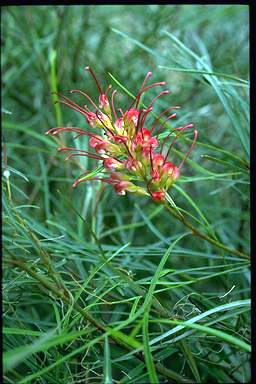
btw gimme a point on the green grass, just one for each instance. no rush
(99, 288)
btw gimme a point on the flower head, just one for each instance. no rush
(126, 144)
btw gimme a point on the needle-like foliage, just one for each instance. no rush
(150, 287)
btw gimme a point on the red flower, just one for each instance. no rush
(126, 144)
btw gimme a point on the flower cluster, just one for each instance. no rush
(132, 156)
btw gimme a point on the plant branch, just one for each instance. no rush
(196, 232)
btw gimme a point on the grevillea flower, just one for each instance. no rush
(133, 158)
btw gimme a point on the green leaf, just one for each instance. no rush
(143, 46)
(190, 359)
(107, 363)
(225, 307)
(220, 335)
(222, 92)
(200, 72)
(194, 205)
(129, 340)
(29, 131)
(148, 355)
(121, 86)
(14, 357)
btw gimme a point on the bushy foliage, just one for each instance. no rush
(101, 288)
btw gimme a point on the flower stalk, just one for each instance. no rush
(198, 233)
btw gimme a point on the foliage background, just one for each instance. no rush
(44, 216)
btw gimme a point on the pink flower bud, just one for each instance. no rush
(132, 164)
(152, 142)
(168, 167)
(94, 141)
(103, 99)
(131, 116)
(91, 118)
(122, 187)
(158, 195)
(173, 171)
(119, 125)
(176, 173)
(100, 145)
(144, 139)
(104, 104)
(145, 134)
(158, 159)
(110, 163)
(155, 175)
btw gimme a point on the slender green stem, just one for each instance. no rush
(54, 87)
(196, 232)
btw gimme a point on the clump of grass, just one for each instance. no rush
(99, 288)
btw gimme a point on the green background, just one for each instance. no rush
(202, 51)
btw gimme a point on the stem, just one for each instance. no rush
(54, 86)
(196, 232)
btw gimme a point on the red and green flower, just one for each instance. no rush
(132, 155)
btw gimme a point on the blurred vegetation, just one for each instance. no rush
(79, 260)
